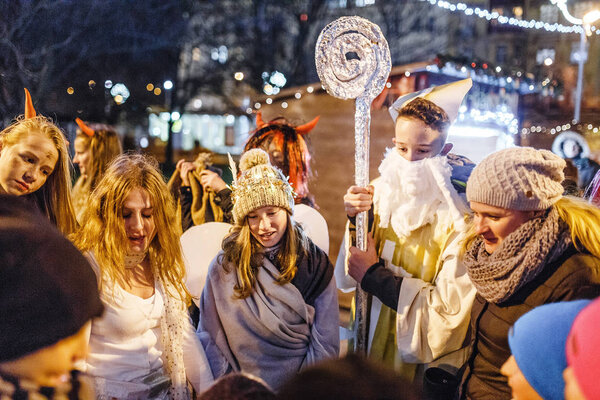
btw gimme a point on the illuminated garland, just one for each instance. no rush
(560, 128)
(493, 15)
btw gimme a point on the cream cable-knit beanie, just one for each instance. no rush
(259, 185)
(518, 178)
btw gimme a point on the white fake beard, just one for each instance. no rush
(413, 193)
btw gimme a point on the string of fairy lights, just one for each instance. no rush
(579, 127)
(504, 20)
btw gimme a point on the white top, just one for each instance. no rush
(125, 343)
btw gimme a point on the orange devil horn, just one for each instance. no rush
(259, 120)
(304, 129)
(84, 128)
(29, 110)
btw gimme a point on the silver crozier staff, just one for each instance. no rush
(353, 62)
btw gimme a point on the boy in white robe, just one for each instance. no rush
(421, 294)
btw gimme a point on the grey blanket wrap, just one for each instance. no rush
(270, 334)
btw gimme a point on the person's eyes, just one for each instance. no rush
(28, 159)
(402, 149)
(252, 216)
(46, 172)
(147, 215)
(423, 151)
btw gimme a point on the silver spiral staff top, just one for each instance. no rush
(353, 62)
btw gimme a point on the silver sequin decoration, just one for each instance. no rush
(353, 62)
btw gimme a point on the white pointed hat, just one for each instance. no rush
(448, 97)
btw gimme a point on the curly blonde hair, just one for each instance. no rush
(104, 146)
(104, 230)
(243, 251)
(54, 197)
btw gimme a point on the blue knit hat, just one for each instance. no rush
(541, 334)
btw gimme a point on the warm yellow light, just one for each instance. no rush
(149, 87)
(157, 91)
(238, 76)
(591, 17)
(119, 99)
(70, 90)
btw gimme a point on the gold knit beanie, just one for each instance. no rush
(259, 185)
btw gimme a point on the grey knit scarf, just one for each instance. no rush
(521, 256)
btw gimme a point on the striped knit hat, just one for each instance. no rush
(259, 185)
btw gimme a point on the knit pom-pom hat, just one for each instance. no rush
(518, 178)
(259, 185)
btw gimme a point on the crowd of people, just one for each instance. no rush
(482, 279)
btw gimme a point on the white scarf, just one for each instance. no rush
(412, 193)
(172, 325)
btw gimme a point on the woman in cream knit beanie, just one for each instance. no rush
(529, 245)
(269, 306)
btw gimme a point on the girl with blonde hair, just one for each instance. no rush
(273, 279)
(34, 163)
(144, 345)
(95, 147)
(529, 245)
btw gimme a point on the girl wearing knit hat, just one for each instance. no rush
(144, 346)
(95, 147)
(529, 245)
(583, 355)
(34, 163)
(269, 306)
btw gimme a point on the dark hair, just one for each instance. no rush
(428, 112)
(350, 378)
(238, 386)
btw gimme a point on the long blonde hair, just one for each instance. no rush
(54, 197)
(104, 228)
(582, 218)
(243, 251)
(104, 146)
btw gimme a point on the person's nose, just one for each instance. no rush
(480, 225)
(135, 223)
(31, 174)
(265, 223)
(411, 155)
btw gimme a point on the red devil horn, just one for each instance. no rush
(259, 120)
(304, 129)
(84, 128)
(29, 110)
